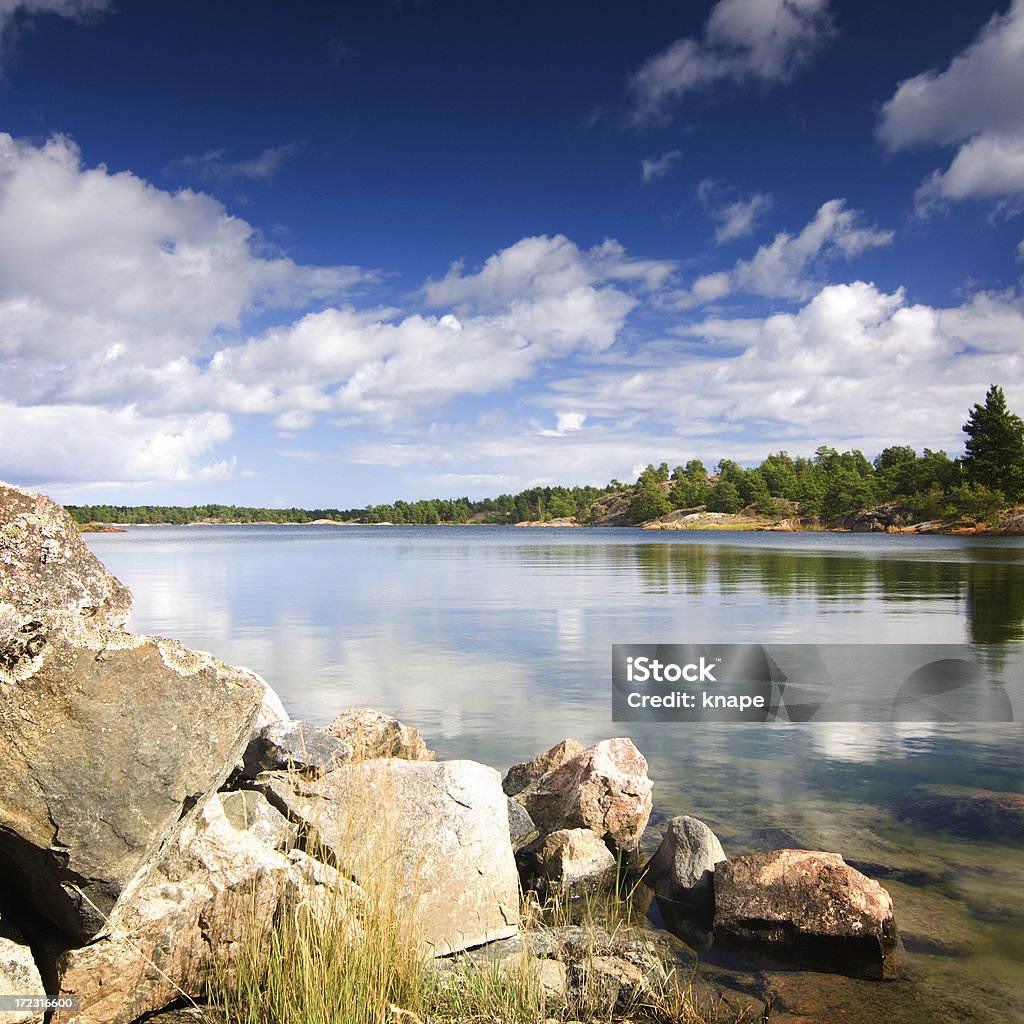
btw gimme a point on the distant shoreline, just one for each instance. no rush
(725, 524)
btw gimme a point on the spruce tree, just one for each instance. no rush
(995, 446)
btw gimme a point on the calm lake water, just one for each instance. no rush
(496, 643)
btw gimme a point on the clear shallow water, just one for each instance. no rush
(496, 643)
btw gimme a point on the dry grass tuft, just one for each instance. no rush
(353, 956)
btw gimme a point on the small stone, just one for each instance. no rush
(683, 868)
(521, 828)
(576, 861)
(550, 976)
(553, 981)
(372, 734)
(611, 984)
(294, 746)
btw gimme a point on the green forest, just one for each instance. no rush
(825, 487)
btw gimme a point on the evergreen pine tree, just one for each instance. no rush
(995, 446)
(649, 501)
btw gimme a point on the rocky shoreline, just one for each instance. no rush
(157, 805)
(890, 518)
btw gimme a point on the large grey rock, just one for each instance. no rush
(888, 518)
(19, 975)
(443, 826)
(215, 887)
(111, 740)
(371, 734)
(524, 774)
(683, 868)
(605, 788)
(807, 907)
(294, 745)
(575, 861)
(46, 566)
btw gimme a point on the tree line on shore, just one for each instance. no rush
(829, 485)
(832, 484)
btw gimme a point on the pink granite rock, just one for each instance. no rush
(372, 734)
(809, 907)
(605, 788)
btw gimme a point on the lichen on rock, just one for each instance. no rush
(181, 659)
(22, 643)
(46, 564)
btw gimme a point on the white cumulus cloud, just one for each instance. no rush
(835, 371)
(569, 421)
(91, 261)
(130, 310)
(989, 166)
(57, 444)
(111, 290)
(566, 423)
(784, 267)
(760, 40)
(540, 299)
(976, 104)
(538, 267)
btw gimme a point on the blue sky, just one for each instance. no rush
(327, 254)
